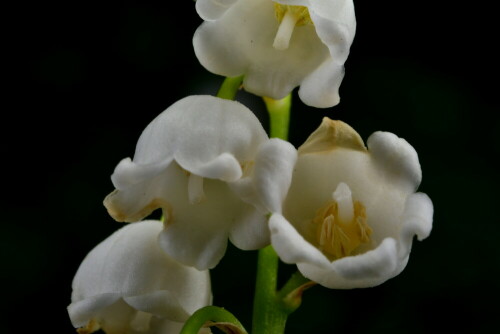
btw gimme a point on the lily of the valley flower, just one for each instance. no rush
(207, 163)
(351, 212)
(278, 45)
(128, 285)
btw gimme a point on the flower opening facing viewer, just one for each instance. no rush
(352, 211)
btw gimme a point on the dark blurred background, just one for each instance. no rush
(84, 79)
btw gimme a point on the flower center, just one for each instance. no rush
(341, 224)
(289, 16)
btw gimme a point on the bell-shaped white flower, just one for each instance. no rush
(351, 212)
(278, 45)
(206, 162)
(128, 285)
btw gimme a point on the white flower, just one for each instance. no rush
(352, 212)
(206, 163)
(127, 284)
(278, 45)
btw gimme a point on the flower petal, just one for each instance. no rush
(273, 172)
(160, 303)
(213, 9)
(199, 245)
(275, 73)
(335, 24)
(224, 167)
(127, 274)
(291, 246)
(128, 173)
(417, 220)
(213, 135)
(320, 88)
(177, 132)
(207, 136)
(196, 232)
(250, 231)
(267, 186)
(396, 159)
(365, 270)
(361, 271)
(136, 201)
(330, 135)
(81, 311)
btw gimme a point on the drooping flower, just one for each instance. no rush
(352, 211)
(128, 285)
(278, 45)
(207, 163)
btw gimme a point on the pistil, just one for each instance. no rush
(289, 17)
(343, 197)
(341, 224)
(195, 189)
(285, 31)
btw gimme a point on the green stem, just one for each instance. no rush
(212, 316)
(291, 293)
(270, 309)
(230, 87)
(269, 317)
(296, 281)
(279, 116)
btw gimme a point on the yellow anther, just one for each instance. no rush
(337, 238)
(300, 12)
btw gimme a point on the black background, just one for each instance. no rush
(83, 80)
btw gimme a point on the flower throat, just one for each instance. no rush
(289, 17)
(341, 224)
